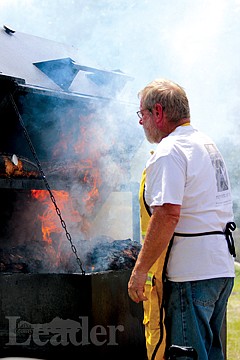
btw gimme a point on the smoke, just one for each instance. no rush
(194, 43)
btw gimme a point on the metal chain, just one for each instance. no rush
(69, 238)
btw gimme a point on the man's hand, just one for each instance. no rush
(136, 286)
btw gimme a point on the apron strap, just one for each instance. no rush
(231, 226)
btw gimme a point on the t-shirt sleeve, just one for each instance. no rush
(165, 180)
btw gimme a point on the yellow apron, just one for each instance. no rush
(153, 320)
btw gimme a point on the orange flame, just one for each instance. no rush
(81, 142)
(48, 218)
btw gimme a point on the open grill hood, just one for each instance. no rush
(75, 117)
(54, 66)
(60, 101)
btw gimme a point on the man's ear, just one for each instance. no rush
(158, 113)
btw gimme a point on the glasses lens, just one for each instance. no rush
(139, 114)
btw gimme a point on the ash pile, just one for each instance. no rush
(101, 254)
(112, 255)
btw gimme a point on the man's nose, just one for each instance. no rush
(140, 122)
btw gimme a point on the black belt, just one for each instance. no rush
(231, 226)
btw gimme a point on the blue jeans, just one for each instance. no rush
(195, 312)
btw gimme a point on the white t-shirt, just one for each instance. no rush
(187, 169)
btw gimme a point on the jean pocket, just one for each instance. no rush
(207, 292)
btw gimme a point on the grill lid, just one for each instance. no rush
(55, 66)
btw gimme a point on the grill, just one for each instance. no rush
(65, 168)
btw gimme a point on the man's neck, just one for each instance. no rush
(182, 122)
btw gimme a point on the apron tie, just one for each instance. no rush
(231, 226)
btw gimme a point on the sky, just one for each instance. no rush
(195, 43)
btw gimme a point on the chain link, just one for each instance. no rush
(68, 236)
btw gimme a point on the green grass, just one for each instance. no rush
(233, 320)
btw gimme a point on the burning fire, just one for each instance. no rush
(77, 210)
(77, 161)
(50, 221)
(53, 233)
(48, 218)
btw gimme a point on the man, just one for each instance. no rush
(188, 242)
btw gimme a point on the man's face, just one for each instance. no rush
(147, 120)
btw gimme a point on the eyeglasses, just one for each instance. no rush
(140, 112)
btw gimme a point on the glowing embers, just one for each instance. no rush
(14, 166)
(112, 255)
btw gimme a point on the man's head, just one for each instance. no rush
(163, 106)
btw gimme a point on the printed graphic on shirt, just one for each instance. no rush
(219, 166)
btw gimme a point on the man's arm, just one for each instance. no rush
(159, 233)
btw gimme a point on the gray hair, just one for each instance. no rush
(170, 95)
